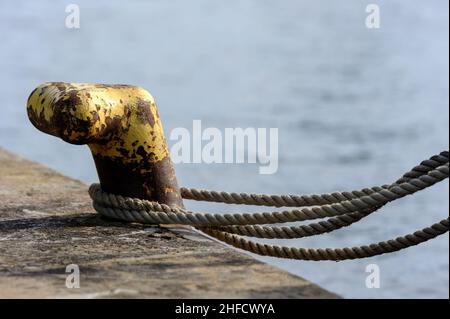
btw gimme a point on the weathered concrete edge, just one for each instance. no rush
(47, 222)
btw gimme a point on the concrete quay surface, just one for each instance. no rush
(47, 223)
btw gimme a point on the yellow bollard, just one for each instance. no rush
(121, 126)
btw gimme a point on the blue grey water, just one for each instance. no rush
(355, 107)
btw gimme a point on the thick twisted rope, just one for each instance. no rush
(133, 209)
(344, 209)
(335, 254)
(338, 222)
(304, 200)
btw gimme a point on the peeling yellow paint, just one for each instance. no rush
(118, 121)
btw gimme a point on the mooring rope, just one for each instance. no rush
(338, 222)
(156, 213)
(335, 254)
(304, 200)
(341, 208)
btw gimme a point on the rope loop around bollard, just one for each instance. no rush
(341, 209)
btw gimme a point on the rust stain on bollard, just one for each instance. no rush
(121, 126)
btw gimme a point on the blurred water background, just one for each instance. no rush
(355, 107)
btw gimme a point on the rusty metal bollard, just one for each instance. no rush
(121, 126)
